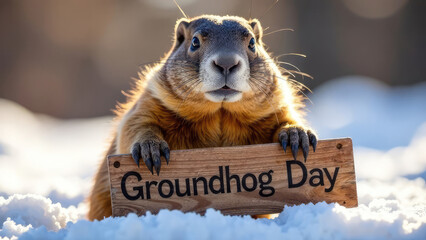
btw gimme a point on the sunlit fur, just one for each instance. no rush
(168, 104)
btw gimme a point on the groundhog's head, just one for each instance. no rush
(219, 60)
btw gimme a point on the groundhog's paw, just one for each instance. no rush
(151, 151)
(297, 136)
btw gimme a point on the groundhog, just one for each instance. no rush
(217, 86)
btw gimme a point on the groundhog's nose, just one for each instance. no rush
(226, 63)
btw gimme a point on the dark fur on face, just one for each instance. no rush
(192, 75)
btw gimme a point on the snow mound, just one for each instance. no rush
(380, 219)
(20, 213)
(11, 230)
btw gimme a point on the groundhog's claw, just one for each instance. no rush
(150, 151)
(136, 155)
(165, 151)
(294, 141)
(283, 138)
(297, 136)
(312, 139)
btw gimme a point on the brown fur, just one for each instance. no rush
(162, 109)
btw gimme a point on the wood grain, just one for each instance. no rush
(258, 160)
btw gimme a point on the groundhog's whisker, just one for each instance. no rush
(294, 81)
(264, 62)
(289, 64)
(190, 90)
(186, 81)
(267, 10)
(285, 71)
(170, 60)
(267, 98)
(301, 73)
(298, 85)
(191, 77)
(306, 96)
(279, 30)
(291, 54)
(289, 71)
(180, 9)
(251, 8)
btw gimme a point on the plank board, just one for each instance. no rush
(268, 179)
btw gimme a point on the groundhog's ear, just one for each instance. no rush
(181, 30)
(257, 28)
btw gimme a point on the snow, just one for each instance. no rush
(37, 210)
(371, 113)
(398, 161)
(46, 166)
(55, 158)
(380, 219)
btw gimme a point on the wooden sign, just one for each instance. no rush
(242, 180)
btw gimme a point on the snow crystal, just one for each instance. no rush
(37, 211)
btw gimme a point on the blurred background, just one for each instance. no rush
(63, 65)
(71, 59)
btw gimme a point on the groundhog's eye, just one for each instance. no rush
(195, 43)
(252, 44)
